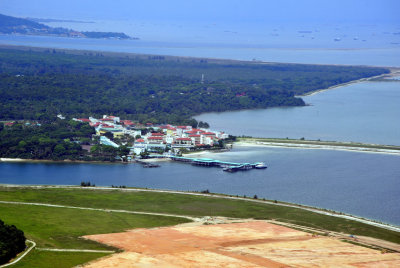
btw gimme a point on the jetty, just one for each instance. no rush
(227, 166)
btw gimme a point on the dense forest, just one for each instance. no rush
(37, 84)
(55, 140)
(12, 242)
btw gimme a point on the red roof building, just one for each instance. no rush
(127, 122)
(196, 137)
(183, 141)
(157, 134)
(94, 124)
(191, 132)
(155, 138)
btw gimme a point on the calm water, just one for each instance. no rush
(365, 112)
(363, 184)
(388, 56)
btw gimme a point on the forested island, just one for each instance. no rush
(38, 84)
(13, 25)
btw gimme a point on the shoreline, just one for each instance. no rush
(323, 146)
(80, 51)
(393, 72)
(67, 161)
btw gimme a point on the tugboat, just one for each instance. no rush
(260, 165)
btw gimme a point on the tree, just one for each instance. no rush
(109, 135)
(203, 124)
(12, 242)
(145, 154)
(123, 150)
(59, 150)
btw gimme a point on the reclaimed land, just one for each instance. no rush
(62, 227)
(317, 144)
(186, 205)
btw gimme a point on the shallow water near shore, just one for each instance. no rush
(366, 112)
(362, 184)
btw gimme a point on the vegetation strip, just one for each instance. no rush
(288, 205)
(75, 250)
(329, 145)
(101, 209)
(22, 256)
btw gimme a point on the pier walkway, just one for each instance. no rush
(228, 166)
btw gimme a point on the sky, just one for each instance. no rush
(212, 11)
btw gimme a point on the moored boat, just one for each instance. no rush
(260, 165)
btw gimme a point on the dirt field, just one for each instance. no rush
(247, 244)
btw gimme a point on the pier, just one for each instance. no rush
(227, 166)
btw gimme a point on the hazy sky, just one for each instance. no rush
(209, 11)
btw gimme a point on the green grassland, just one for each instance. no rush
(46, 259)
(189, 205)
(61, 228)
(52, 227)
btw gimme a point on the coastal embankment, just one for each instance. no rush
(316, 144)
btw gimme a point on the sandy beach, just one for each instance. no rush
(317, 146)
(393, 72)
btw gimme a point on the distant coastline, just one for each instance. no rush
(20, 26)
(393, 72)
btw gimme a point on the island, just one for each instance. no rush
(13, 25)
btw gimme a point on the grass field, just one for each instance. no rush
(190, 205)
(61, 228)
(46, 259)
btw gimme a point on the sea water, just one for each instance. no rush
(362, 184)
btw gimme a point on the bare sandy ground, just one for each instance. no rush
(245, 244)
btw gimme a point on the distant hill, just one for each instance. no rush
(13, 25)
